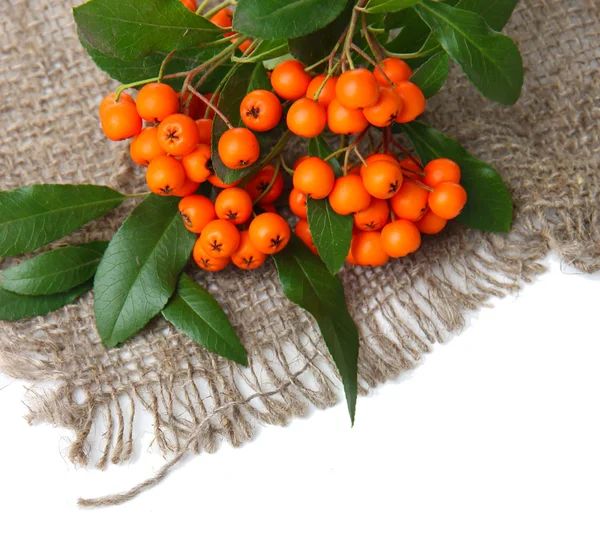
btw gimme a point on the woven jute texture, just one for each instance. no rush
(546, 147)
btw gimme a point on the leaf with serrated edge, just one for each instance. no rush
(489, 205)
(56, 271)
(432, 75)
(16, 306)
(140, 268)
(307, 282)
(285, 19)
(33, 216)
(330, 231)
(194, 311)
(490, 60)
(130, 29)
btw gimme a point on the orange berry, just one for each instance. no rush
(269, 232)
(238, 148)
(356, 89)
(344, 121)
(306, 118)
(165, 175)
(431, 224)
(447, 200)
(289, 80)
(189, 187)
(244, 46)
(197, 212)
(377, 158)
(298, 203)
(400, 238)
(247, 256)
(299, 161)
(189, 4)
(382, 179)
(261, 110)
(109, 100)
(411, 201)
(349, 195)
(197, 163)
(350, 257)
(374, 217)
(157, 101)
(145, 147)
(204, 130)
(259, 184)
(385, 110)
(268, 208)
(327, 93)
(413, 101)
(314, 177)
(223, 18)
(441, 170)
(367, 249)
(120, 121)
(206, 262)
(234, 205)
(220, 238)
(178, 135)
(396, 70)
(302, 231)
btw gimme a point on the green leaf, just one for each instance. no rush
(267, 50)
(330, 231)
(130, 71)
(313, 47)
(489, 205)
(35, 215)
(284, 19)
(194, 311)
(413, 37)
(56, 271)
(140, 268)
(130, 29)
(383, 6)
(308, 283)
(14, 306)
(246, 78)
(491, 60)
(432, 75)
(496, 12)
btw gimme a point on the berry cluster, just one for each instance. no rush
(392, 202)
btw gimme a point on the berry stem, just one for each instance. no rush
(210, 105)
(350, 32)
(247, 57)
(373, 44)
(354, 143)
(373, 63)
(317, 64)
(220, 87)
(288, 170)
(322, 85)
(405, 152)
(360, 156)
(266, 191)
(218, 8)
(202, 6)
(163, 65)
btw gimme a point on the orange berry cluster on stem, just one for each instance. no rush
(176, 150)
(393, 202)
(347, 104)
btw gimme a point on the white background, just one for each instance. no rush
(491, 445)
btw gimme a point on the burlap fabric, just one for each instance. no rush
(546, 147)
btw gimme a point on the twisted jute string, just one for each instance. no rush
(546, 147)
